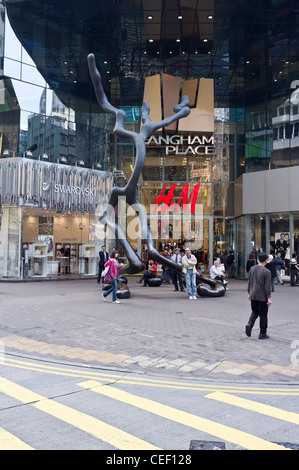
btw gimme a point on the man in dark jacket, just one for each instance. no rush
(103, 258)
(272, 268)
(231, 264)
(294, 270)
(259, 293)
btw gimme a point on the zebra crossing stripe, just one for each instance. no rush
(226, 433)
(10, 442)
(255, 406)
(103, 431)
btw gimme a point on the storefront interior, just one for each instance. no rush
(56, 244)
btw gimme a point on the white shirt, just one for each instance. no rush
(215, 271)
(179, 261)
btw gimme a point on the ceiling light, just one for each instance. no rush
(105, 62)
(180, 17)
(149, 17)
(178, 40)
(151, 40)
(205, 40)
(210, 17)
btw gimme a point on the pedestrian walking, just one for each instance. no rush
(251, 261)
(167, 275)
(259, 294)
(231, 264)
(294, 270)
(279, 265)
(103, 259)
(114, 267)
(272, 268)
(177, 276)
(189, 269)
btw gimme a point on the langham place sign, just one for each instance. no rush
(183, 145)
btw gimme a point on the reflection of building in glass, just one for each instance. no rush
(285, 124)
(54, 135)
(9, 118)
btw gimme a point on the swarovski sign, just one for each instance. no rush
(184, 145)
(65, 189)
(53, 186)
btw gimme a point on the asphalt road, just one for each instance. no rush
(47, 406)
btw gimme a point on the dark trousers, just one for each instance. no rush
(294, 277)
(231, 270)
(175, 278)
(259, 309)
(147, 275)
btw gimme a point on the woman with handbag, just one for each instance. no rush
(111, 277)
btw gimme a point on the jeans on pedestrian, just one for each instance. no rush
(259, 309)
(113, 289)
(190, 282)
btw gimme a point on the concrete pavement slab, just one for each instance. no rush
(155, 330)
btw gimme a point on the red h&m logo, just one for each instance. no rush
(168, 199)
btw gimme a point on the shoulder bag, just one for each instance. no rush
(108, 279)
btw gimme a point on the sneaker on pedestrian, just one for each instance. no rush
(116, 302)
(104, 298)
(190, 298)
(194, 297)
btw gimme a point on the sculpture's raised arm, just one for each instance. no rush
(181, 110)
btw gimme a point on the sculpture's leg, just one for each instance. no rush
(153, 252)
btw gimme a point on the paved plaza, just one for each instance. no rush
(156, 331)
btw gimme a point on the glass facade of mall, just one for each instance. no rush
(49, 113)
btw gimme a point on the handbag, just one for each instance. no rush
(108, 279)
(105, 271)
